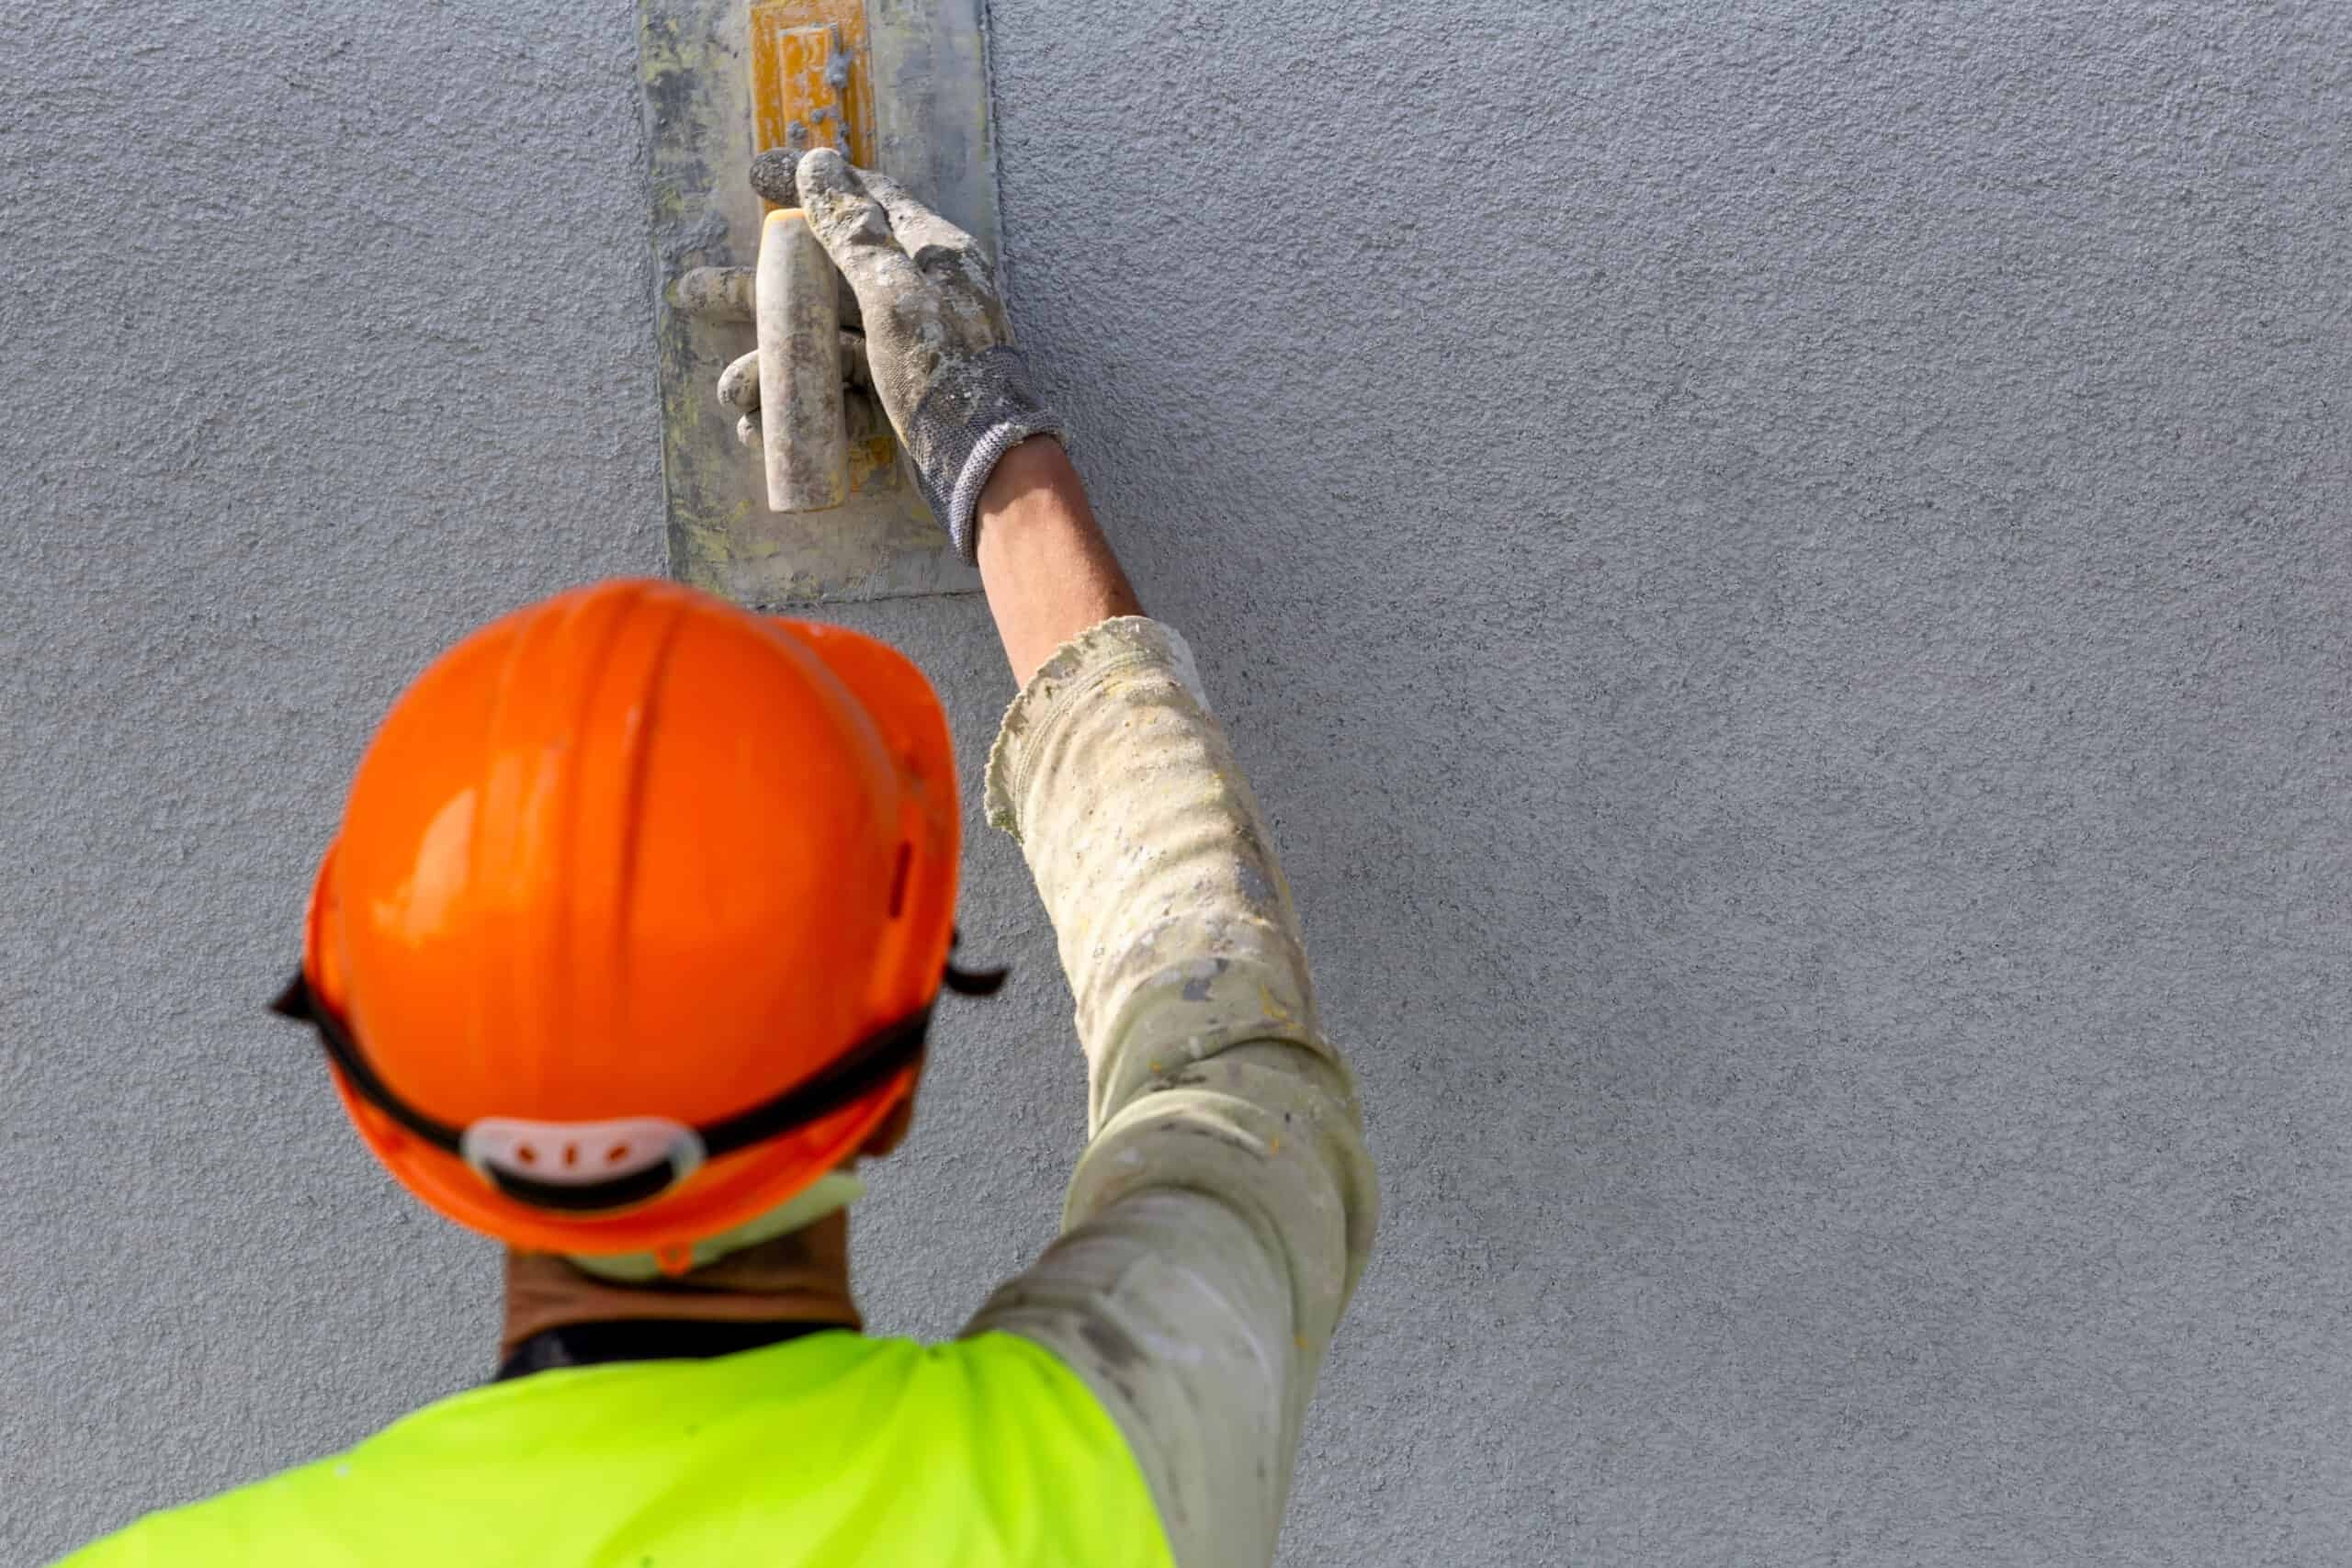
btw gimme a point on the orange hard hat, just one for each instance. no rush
(636, 917)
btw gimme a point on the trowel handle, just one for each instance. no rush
(797, 312)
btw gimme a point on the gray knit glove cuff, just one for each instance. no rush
(976, 411)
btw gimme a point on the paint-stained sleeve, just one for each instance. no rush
(1224, 1205)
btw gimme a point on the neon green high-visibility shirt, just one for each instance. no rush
(828, 1450)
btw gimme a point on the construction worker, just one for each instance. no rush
(624, 953)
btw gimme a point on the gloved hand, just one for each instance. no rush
(938, 349)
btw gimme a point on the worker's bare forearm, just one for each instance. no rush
(1049, 572)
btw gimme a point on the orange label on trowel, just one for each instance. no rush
(809, 77)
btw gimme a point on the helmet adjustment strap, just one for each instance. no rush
(646, 1155)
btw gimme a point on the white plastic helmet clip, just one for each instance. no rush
(582, 1164)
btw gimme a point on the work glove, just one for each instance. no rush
(937, 349)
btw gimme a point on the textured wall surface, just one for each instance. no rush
(1781, 569)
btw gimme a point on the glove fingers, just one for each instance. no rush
(943, 253)
(739, 385)
(862, 418)
(854, 228)
(773, 176)
(923, 233)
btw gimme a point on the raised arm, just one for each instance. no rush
(1224, 1205)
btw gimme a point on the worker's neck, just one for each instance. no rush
(799, 1277)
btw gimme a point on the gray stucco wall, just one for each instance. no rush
(1781, 570)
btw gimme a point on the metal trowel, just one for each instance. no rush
(828, 511)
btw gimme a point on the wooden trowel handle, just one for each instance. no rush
(797, 311)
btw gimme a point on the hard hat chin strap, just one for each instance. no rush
(590, 1167)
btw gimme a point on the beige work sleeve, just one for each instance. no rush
(1223, 1206)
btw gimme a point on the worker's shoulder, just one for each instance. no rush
(856, 1389)
(988, 1435)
